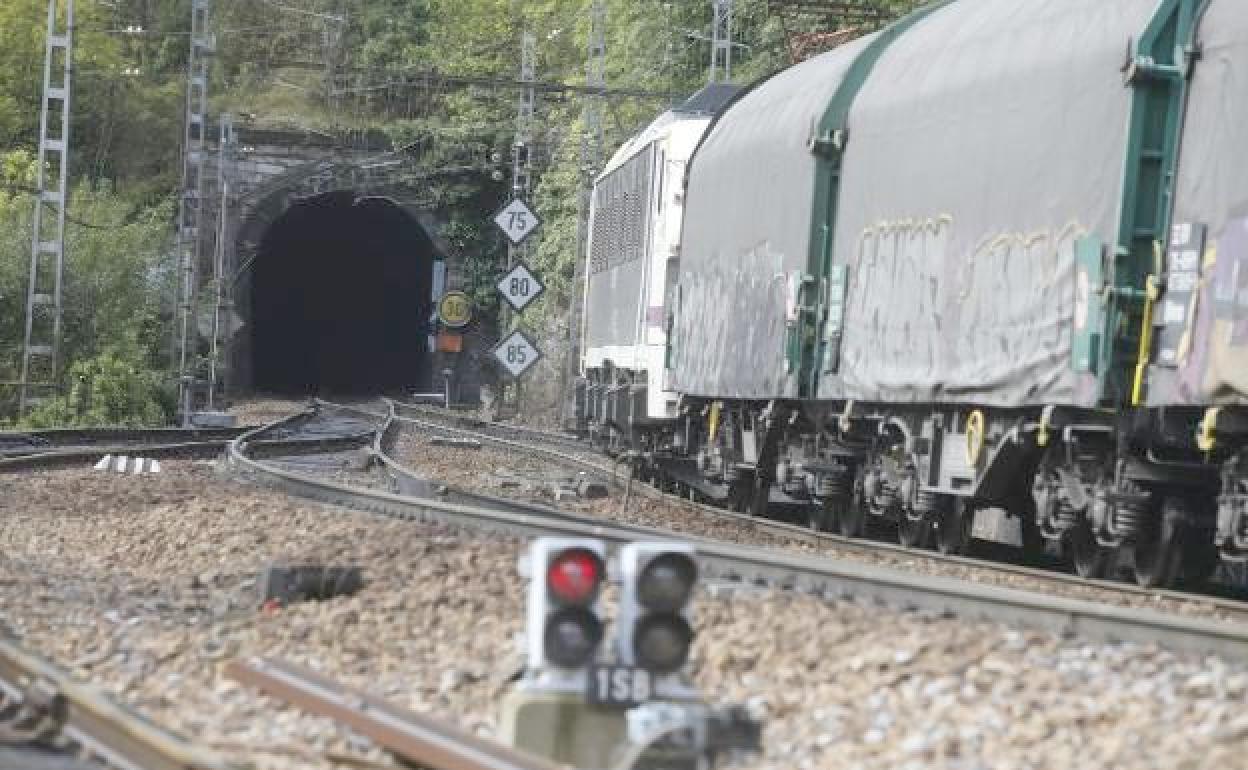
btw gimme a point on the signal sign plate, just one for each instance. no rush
(619, 686)
(455, 309)
(517, 221)
(517, 353)
(520, 287)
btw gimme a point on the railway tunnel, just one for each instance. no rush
(339, 299)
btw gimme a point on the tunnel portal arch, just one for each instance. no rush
(337, 300)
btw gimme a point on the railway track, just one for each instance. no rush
(419, 739)
(42, 708)
(67, 447)
(555, 448)
(45, 450)
(40, 704)
(729, 562)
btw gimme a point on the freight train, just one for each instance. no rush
(983, 271)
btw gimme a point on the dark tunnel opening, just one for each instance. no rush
(340, 299)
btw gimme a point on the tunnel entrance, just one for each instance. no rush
(340, 299)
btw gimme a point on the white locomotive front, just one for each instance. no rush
(633, 270)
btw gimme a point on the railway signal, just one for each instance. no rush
(657, 582)
(653, 634)
(628, 706)
(564, 629)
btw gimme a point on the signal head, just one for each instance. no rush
(564, 629)
(653, 629)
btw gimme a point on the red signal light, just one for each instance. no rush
(574, 576)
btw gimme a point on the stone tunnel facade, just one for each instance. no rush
(335, 272)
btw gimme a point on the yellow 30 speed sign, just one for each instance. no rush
(455, 309)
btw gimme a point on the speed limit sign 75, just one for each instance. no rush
(517, 221)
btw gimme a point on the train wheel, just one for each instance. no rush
(953, 529)
(1158, 550)
(1089, 557)
(1200, 558)
(760, 493)
(822, 517)
(739, 496)
(1029, 530)
(913, 533)
(851, 512)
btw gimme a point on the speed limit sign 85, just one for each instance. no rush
(517, 353)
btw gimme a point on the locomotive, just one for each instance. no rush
(983, 273)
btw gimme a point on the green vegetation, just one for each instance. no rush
(290, 64)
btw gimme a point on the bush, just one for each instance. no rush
(112, 389)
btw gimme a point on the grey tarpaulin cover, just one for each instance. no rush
(1212, 190)
(747, 224)
(986, 140)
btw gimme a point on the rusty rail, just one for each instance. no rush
(418, 738)
(48, 703)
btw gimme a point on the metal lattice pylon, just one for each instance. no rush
(191, 207)
(521, 160)
(721, 41)
(44, 309)
(223, 263)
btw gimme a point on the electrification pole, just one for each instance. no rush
(521, 168)
(44, 308)
(521, 162)
(191, 208)
(591, 161)
(222, 269)
(721, 41)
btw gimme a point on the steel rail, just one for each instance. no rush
(100, 726)
(16, 443)
(785, 570)
(417, 738)
(553, 455)
(286, 446)
(803, 534)
(62, 458)
(469, 423)
(112, 434)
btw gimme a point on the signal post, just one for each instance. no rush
(590, 703)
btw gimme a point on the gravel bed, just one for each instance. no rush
(262, 411)
(482, 470)
(146, 586)
(353, 468)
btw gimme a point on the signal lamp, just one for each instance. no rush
(575, 576)
(661, 642)
(666, 582)
(571, 637)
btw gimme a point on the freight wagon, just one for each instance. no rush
(989, 264)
